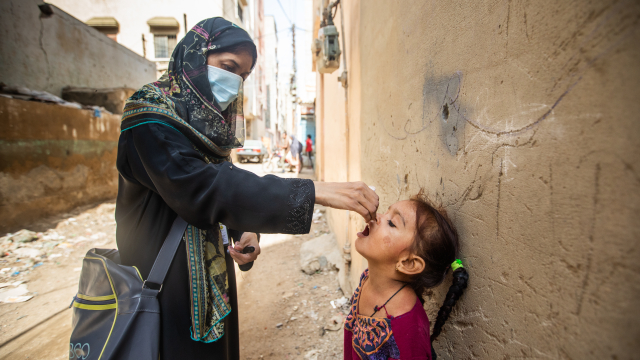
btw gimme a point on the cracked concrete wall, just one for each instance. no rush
(52, 159)
(521, 119)
(49, 53)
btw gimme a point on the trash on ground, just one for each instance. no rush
(320, 253)
(312, 355)
(312, 314)
(26, 252)
(335, 323)
(13, 293)
(17, 299)
(22, 236)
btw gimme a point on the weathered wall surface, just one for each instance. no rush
(338, 130)
(52, 159)
(522, 119)
(49, 53)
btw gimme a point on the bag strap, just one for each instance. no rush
(165, 256)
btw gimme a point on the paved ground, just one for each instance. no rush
(283, 312)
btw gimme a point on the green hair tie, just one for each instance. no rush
(456, 265)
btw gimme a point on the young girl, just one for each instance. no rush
(409, 249)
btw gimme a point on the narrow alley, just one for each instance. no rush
(281, 307)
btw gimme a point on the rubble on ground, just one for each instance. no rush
(25, 250)
(321, 253)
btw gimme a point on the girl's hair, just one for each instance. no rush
(238, 48)
(436, 242)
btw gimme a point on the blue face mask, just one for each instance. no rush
(225, 85)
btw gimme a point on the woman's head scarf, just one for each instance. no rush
(182, 97)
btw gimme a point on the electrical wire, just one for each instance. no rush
(275, 33)
(284, 12)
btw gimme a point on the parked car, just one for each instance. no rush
(252, 150)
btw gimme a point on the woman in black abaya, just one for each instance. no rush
(173, 159)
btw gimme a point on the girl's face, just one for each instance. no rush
(390, 236)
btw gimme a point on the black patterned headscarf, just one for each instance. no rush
(182, 97)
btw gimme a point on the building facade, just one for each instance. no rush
(57, 156)
(153, 28)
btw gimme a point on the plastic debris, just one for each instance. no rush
(341, 301)
(36, 265)
(27, 252)
(17, 299)
(23, 236)
(13, 293)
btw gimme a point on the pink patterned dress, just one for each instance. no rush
(403, 337)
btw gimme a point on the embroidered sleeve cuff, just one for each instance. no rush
(302, 197)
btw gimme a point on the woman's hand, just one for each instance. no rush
(247, 239)
(354, 196)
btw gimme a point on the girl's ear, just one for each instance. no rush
(410, 264)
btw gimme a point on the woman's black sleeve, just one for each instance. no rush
(163, 160)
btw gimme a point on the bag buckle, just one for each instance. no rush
(144, 285)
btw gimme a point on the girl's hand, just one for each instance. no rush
(247, 239)
(355, 196)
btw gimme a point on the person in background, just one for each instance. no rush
(293, 152)
(296, 153)
(285, 145)
(309, 149)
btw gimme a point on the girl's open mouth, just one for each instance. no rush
(364, 233)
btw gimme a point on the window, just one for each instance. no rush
(106, 25)
(164, 45)
(165, 31)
